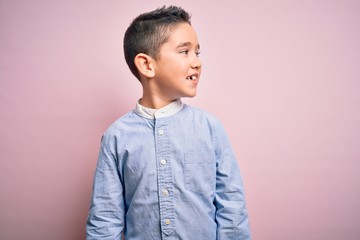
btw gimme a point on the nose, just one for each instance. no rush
(196, 64)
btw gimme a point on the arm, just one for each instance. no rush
(231, 213)
(106, 213)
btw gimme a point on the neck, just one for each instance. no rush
(154, 102)
(152, 97)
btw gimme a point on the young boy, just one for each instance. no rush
(166, 170)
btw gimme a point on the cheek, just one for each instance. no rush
(176, 65)
(183, 67)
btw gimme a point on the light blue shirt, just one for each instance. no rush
(167, 174)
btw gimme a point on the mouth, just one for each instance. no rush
(192, 78)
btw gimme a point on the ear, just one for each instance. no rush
(145, 65)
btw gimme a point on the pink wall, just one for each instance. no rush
(283, 76)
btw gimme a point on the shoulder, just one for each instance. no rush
(207, 120)
(120, 125)
(202, 115)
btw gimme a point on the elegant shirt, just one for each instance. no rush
(167, 174)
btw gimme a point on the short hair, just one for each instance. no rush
(149, 31)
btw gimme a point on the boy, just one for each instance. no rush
(166, 170)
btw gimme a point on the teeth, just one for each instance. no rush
(191, 78)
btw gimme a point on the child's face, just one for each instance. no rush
(178, 68)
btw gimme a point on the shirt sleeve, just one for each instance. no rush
(106, 212)
(231, 213)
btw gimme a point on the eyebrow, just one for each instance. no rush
(186, 44)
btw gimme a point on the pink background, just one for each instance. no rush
(283, 77)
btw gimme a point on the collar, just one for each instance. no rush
(166, 111)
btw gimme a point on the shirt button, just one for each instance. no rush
(167, 221)
(165, 192)
(161, 132)
(163, 161)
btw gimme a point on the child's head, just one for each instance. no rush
(149, 31)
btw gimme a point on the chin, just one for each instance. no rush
(190, 95)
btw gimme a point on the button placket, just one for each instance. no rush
(164, 174)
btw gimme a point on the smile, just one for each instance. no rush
(193, 77)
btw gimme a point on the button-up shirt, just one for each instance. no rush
(167, 174)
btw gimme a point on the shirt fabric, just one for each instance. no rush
(167, 174)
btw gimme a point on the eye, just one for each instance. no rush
(184, 52)
(197, 53)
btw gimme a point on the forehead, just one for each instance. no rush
(182, 33)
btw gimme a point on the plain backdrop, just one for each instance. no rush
(282, 76)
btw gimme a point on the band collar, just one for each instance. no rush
(166, 111)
